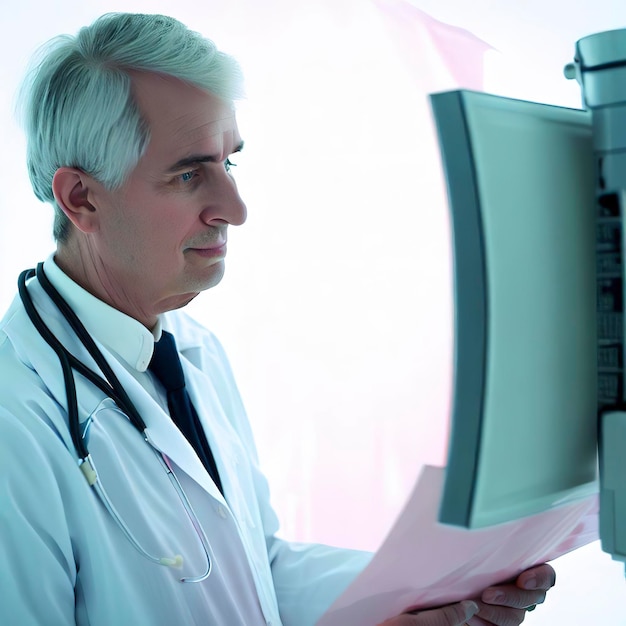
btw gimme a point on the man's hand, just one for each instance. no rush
(502, 605)
(451, 615)
(506, 605)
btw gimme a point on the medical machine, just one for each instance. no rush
(520, 189)
(600, 68)
(536, 194)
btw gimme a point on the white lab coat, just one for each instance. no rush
(63, 560)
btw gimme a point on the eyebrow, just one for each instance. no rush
(199, 158)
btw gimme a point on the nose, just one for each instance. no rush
(223, 202)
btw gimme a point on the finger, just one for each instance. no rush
(452, 615)
(512, 596)
(498, 615)
(541, 577)
(477, 621)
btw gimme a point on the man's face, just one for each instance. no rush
(161, 238)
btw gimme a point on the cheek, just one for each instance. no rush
(145, 229)
(149, 230)
(161, 245)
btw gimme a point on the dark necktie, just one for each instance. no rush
(165, 365)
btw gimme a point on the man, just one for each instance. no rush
(130, 128)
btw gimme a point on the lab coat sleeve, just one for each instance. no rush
(37, 569)
(307, 577)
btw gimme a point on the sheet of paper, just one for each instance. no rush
(423, 563)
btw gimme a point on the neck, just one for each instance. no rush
(87, 270)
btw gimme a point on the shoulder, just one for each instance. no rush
(197, 343)
(17, 339)
(189, 332)
(32, 389)
(12, 318)
(202, 349)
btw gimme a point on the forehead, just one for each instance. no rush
(183, 118)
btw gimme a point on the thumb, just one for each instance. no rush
(451, 615)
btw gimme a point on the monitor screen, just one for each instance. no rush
(520, 179)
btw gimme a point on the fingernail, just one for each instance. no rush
(471, 608)
(492, 596)
(530, 583)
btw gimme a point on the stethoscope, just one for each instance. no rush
(113, 389)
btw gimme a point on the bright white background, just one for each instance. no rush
(336, 305)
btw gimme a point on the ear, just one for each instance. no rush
(72, 189)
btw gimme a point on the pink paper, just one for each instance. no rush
(423, 563)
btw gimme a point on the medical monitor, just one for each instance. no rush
(520, 182)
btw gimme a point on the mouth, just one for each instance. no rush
(216, 250)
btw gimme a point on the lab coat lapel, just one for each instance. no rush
(164, 435)
(219, 434)
(225, 443)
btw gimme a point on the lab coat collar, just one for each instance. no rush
(187, 335)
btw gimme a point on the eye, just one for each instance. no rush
(187, 176)
(228, 164)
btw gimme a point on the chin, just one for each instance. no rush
(176, 302)
(213, 277)
(205, 283)
(194, 287)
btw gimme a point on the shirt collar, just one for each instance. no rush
(116, 331)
